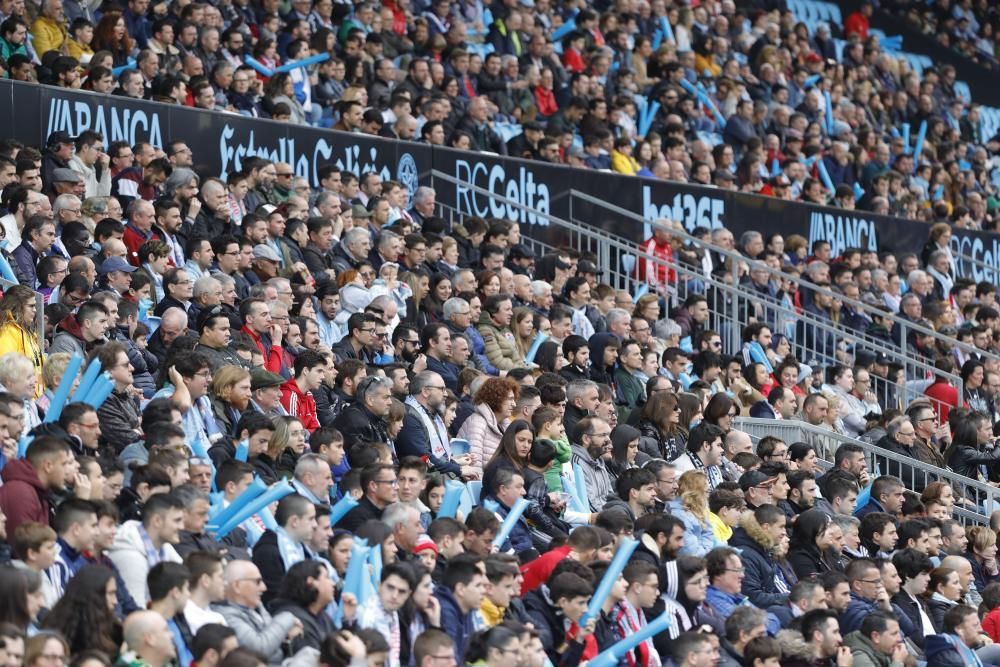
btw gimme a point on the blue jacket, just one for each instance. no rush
(520, 538)
(758, 582)
(723, 604)
(947, 651)
(699, 538)
(869, 507)
(857, 610)
(459, 626)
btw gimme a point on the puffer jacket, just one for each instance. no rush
(543, 522)
(501, 349)
(699, 537)
(482, 432)
(943, 651)
(656, 444)
(756, 552)
(865, 654)
(120, 420)
(144, 363)
(128, 553)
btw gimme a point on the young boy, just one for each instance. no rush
(642, 593)
(35, 545)
(501, 589)
(570, 593)
(481, 527)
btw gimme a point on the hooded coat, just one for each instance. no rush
(501, 349)
(598, 371)
(756, 551)
(23, 497)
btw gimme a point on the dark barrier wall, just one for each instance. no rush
(221, 141)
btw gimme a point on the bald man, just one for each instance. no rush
(147, 635)
(255, 628)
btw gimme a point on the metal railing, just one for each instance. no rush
(907, 327)
(731, 305)
(974, 501)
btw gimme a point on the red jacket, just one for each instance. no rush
(538, 571)
(22, 496)
(943, 397)
(301, 405)
(133, 240)
(657, 275)
(271, 353)
(857, 23)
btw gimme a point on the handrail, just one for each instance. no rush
(905, 325)
(984, 494)
(610, 241)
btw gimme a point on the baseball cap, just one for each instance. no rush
(262, 379)
(722, 175)
(521, 251)
(752, 478)
(586, 266)
(115, 264)
(64, 175)
(265, 252)
(60, 138)
(577, 152)
(359, 211)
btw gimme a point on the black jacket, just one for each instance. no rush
(912, 478)
(363, 512)
(966, 460)
(758, 582)
(912, 611)
(267, 558)
(315, 627)
(358, 424)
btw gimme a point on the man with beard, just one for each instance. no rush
(424, 434)
(405, 344)
(591, 437)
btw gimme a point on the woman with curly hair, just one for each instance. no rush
(494, 403)
(691, 507)
(660, 425)
(85, 614)
(648, 308)
(17, 328)
(111, 34)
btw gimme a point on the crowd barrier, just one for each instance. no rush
(221, 141)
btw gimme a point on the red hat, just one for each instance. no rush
(425, 543)
(814, 58)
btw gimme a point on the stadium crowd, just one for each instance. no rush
(344, 338)
(599, 87)
(348, 339)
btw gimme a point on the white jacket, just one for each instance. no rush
(128, 553)
(94, 187)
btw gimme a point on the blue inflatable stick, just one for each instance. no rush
(626, 548)
(513, 516)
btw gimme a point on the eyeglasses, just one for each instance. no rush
(390, 482)
(738, 570)
(288, 175)
(434, 386)
(204, 374)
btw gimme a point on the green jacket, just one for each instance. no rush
(564, 452)
(631, 393)
(865, 653)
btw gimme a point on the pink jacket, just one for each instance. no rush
(483, 433)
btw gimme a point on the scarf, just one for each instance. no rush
(153, 555)
(969, 656)
(437, 432)
(630, 620)
(291, 552)
(713, 473)
(946, 281)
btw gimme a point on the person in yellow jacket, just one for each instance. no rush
(622, 161)
(725, 509)
(17, 328)
(48, 31)
(78, 45)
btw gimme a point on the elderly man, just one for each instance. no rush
(255, 628)
(354, 248)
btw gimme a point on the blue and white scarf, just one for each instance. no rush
(292, 552)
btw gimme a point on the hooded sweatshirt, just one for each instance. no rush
(23, 497)
(598, 371)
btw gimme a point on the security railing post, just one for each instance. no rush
(735, 329)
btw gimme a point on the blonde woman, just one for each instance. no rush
(17, 376)
(523, 326)
(18, 312)
(52, 373)
(982, 554)
(287, 444)
(691, 506)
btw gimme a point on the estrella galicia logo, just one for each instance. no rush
(406, 173)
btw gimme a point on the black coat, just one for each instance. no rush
(363, 512)
(358, 424)
(315, 627)
(912, 611)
